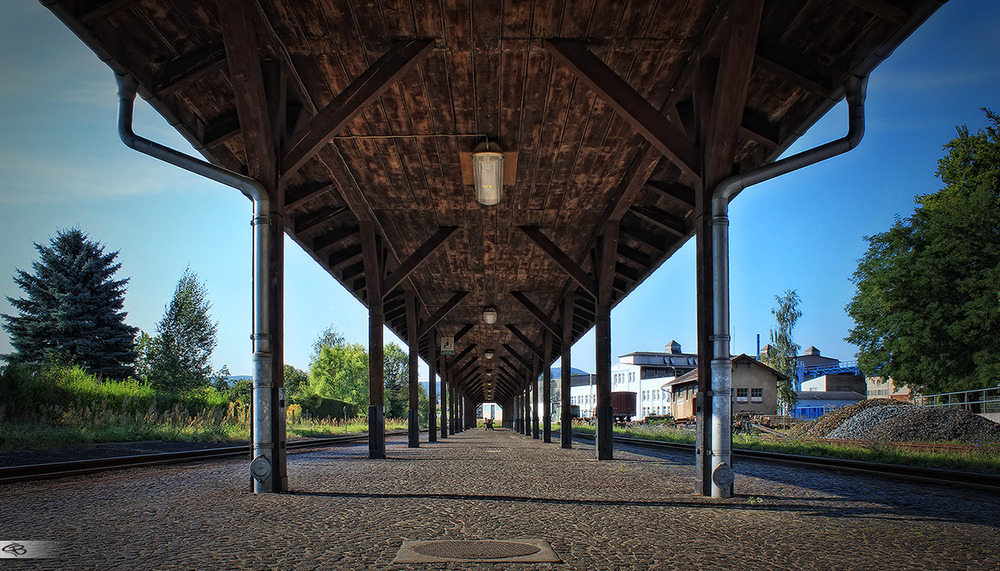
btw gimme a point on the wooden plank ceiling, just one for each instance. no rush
(414, 84)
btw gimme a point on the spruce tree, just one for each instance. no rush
(73, 308)
(182, 349)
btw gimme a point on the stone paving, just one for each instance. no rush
(632, 513)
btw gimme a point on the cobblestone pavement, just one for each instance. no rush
(632, 513)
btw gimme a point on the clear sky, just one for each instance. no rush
(62, 165)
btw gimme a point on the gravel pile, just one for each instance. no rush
(823, 425)
(893, 421)
(863, 425)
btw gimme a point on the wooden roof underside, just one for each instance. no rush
(431, 80)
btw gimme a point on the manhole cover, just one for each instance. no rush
(476, 549)
(521, 550)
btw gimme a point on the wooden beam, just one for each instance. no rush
(512, 366)
(608, 249)
(457, 358)
(628, 103)
(731, 87)
(240, 38)
(756, 127)
(188, 68)
(795, 69)
(559, 257)
(300, 194)
(440, 313)
(344, 255)
(678, 194)
(883, 9)
(648, 238)
(516, 355)
(371, 254)
(328, 239)
(307, 222)
(415, 259)
(536, 312)
(352, 101)
(461, 332)
(103, 10)
(661, 218)
(524, 339)
(221, 129)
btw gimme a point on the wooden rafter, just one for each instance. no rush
(628, 103)
(418, 256)
(661, 218)
(574, 270)
(525, 340)
(188, 68)
(440, 313)
(535, 311)
(240, 39)
(352, 101)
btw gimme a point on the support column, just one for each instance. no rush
(413, 341)
(607, 254)
(445, 387)
(432, 388)
(565, 417)
(547, 390)
(276, 299)
(372, 256)
(527, 407)
(534, 406)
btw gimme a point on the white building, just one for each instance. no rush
(643, 373)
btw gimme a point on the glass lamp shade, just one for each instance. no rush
(490, 315)
(489, 355)
(487, 172)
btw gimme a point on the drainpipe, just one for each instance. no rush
(722, 473)
(261, 465)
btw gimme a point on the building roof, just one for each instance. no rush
(692, 376)
(365, 118)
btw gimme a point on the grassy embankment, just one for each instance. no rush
(985, 458)
(64, 407)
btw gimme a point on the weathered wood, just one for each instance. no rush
(438, 315)
(663, 219)
(352, 101)
(535, 311)
(635, 109)
(188, 68)
(559, 257)
(535, 349)
(417, 257)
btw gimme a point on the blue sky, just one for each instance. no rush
(62, 165)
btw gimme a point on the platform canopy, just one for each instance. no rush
(622, 111)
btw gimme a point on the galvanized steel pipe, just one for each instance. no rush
(721, 444)
(261, 465)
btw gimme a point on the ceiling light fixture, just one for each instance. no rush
(490, 315)
(487, 173)
(488, 354)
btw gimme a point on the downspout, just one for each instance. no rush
(261, 465)
(722, 474)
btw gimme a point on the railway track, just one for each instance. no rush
(28, 472)
(955, 478)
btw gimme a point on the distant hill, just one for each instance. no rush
(557, 371)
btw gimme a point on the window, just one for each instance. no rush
(756, 395)
(741, 395)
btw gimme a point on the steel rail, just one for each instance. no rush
(955, 478)
(49, 470)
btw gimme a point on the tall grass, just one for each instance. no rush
(58, 406)
(985, 458)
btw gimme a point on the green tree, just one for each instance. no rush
(339, 370)
(782, 350)
(397, 381)
(182, 348)
(73, 308)
(927, 305)
(296, 380)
